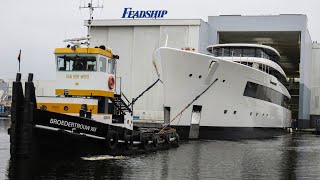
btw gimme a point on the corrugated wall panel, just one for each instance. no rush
(315, 89)
(120, 41)
(135, 46)
(150, 105)
(99, 36)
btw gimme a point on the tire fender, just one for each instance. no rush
(112, 140)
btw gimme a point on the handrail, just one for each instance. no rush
(116, 89)
(122, 104)
(223, 52)
(122, 94)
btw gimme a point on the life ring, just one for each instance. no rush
(111, 82)
(128, 141)
(144, 142)
(112, 139)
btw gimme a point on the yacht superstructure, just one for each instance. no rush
(234, 92)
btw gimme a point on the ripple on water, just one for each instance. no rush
(285, 157)
(103, 157)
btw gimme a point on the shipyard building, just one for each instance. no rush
(136, 40)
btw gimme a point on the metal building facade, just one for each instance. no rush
(135, 41)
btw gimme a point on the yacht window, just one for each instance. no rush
(264, 93)
(262, 67)
(111, 66)
(215, 52)
(220, 52)
(274, 58)
(236, 52)
(226, 52)
(258, 53)
(264, 55)
(248, 52)
(76, 63)
(251, 89)
(102, 64)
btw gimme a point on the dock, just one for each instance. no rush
(148, 123)
(305, 131)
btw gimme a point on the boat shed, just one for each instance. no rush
(135, 41)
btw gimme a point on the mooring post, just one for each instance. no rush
(28, 121)
(30, 95)
(15, 130)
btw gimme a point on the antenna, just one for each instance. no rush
(91, 9)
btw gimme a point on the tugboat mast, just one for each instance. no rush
(91, 9)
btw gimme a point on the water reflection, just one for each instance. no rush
(285, 157)
(76, 169)
(4, 124)
(289, 158)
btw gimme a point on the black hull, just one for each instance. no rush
(60, 144)
(230, 133)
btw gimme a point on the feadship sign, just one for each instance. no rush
(133, 14)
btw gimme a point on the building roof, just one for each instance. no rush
(145, 22)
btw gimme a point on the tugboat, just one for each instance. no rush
(86, 117)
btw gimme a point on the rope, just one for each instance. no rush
(197, 97)
(135, 99)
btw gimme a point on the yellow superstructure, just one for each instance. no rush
(65, 107)
(106, 52)
(84, 76)
(85, 72)
(85, 93)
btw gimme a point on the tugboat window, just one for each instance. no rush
(76, 63)
(111, 66)
(102, 64)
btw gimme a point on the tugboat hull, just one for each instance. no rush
(36, 133)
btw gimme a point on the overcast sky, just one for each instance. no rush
(39, 26)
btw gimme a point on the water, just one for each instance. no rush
(286, 157)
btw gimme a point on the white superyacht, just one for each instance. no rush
(235, 92)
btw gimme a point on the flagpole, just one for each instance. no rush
(19, 58)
